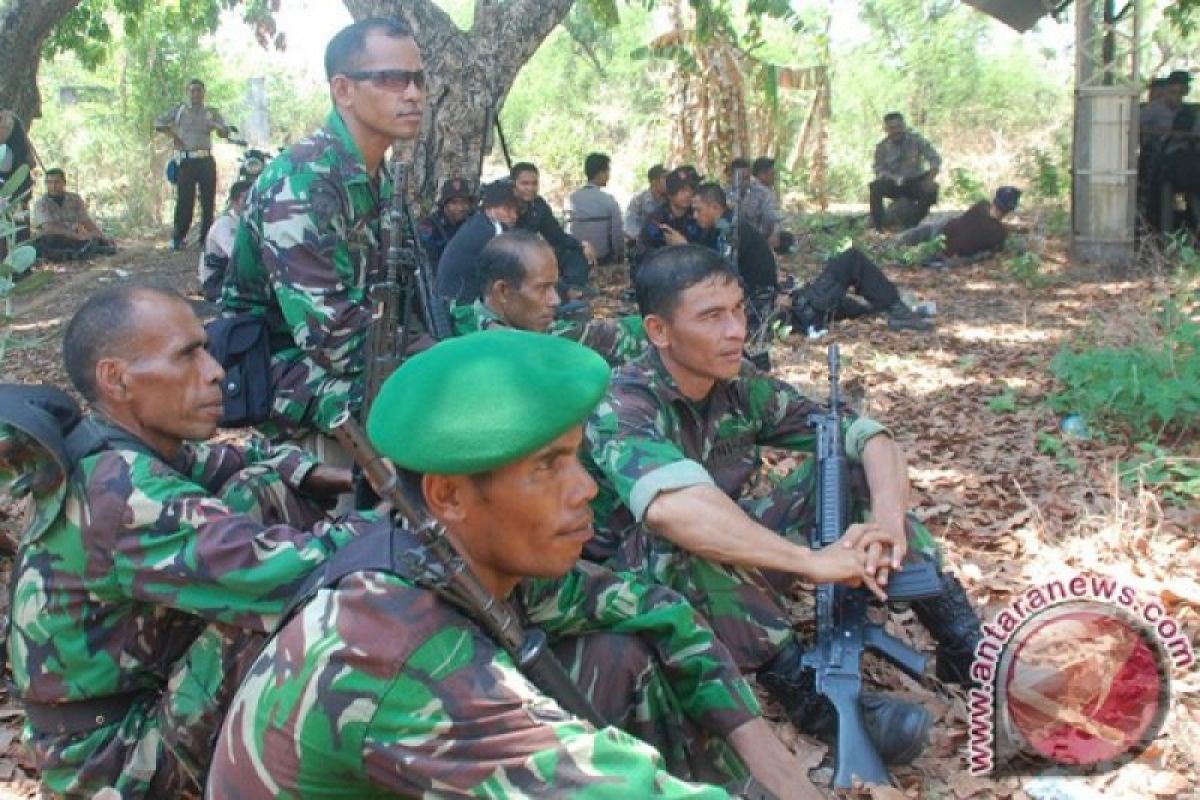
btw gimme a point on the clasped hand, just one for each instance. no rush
(866, 555)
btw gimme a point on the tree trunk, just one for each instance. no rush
(469, 75)
(24, 25)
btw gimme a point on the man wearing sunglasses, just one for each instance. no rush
(309, 245)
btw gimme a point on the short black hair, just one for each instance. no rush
(102, 327)
(738, 163)
(195, 82)
(521, 166)
(595, 163)
(503, 258)
(238, 189)
(762, 164)
(56, 171)
(892, 115)
(345, 48)
(670, 271)
(656, 172)
(712, 193)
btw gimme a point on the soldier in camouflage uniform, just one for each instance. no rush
(519, 275)
(674, 446)
(309, 245)
(380, 687)
(138, 605)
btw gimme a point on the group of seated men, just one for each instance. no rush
(194, 616)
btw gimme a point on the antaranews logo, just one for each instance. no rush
(1073, 677)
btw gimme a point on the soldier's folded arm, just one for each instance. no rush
(697, 666)
(212, 463)
(186, 549)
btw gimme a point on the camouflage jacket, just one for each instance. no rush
(759, 207)
(110, 592)
(305, 256)
(645, 437)
(617, 340)
(379, 689)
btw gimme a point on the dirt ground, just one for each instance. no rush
(1010, 516)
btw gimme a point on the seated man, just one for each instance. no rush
(760, 207)
(672, 223)
(714, 222)
(218, 245)
(62, 228)
(594, 215)
(519, 276)
(977, 231)
(535, 215)
(458, 270)
(455, 204)
(645, 203)
(382, 687)
(674, 447)
(906, 166)
(138, 607)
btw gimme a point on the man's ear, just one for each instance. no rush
(341, 90)
(110, 379)
(499, 293)
(657, 330)
(444, 496)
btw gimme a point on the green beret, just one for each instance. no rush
(474, 403)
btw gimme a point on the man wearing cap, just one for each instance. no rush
(455, 204)
(574, 257)
(646, 202)
(458, 271)
(308, 248)
(519, 277)
(594, 216)
(380, 687)
(674, 447)
(760, 206)
(190, 126)
(906, 165)
(672, 222)
(979, 230)
(151, 575)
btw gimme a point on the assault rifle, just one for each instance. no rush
(844, 631)
(404, 299)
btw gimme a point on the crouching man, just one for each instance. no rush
(380, 686)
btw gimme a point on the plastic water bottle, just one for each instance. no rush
(1075, 426)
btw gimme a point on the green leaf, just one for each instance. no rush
(22, 258)
(14, 181)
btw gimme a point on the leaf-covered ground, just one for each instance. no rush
(966, 403)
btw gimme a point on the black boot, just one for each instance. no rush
(899, 729)
(954, 625)
(903, 318)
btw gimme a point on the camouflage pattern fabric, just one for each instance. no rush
(150, 584)
(619, 340)
(306, 253)
(646, 437)
(381, 689)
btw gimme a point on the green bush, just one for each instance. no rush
(1141, 391)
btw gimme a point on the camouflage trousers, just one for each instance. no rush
(746, 606)
(163, 745)
(620, 675)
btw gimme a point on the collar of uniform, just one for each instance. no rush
(487, 316)
(335, 125)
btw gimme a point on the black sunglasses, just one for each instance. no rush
(392, 80)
